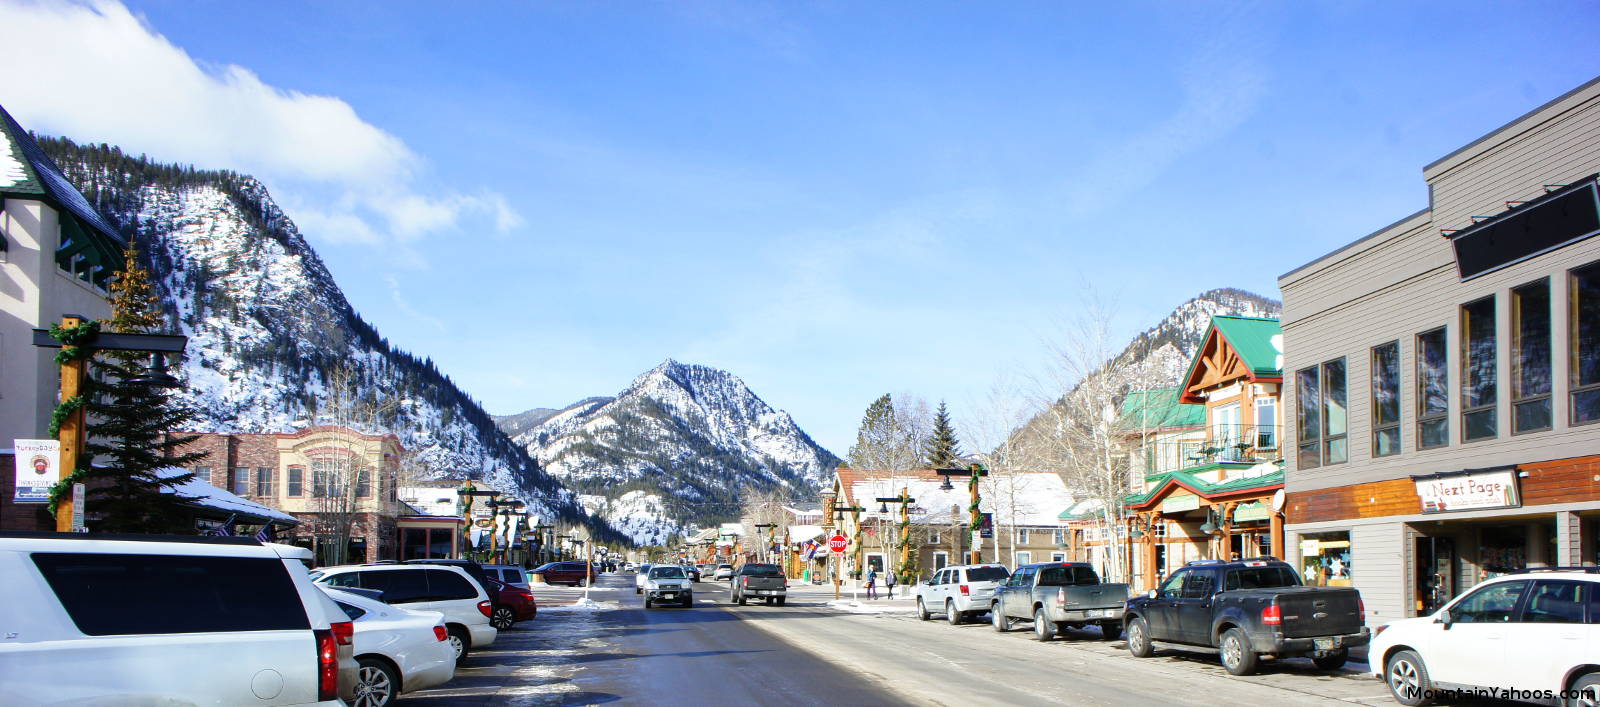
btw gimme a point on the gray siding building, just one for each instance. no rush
(1442, 376)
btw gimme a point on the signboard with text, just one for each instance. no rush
(38, 464)
(1467, 492)
(838, 543)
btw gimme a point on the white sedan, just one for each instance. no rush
(399, 650)
(1536, 634)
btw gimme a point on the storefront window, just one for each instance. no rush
(1504, 550)
(1386, 399)
(1325, 559)
(1433, 375)
(1530, 357)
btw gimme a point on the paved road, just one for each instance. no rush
(807, 653)
(634, 656)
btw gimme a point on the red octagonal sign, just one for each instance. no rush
(838, 543)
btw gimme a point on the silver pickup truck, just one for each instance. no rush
(1056, 595)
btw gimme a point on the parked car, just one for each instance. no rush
(473, 570)
(724, 571)
(509, 574)
(760, 581)
(399, 650)
(1057, 595)
(1247, 608)
(692, 571)
(665, 583)
(447, 589)
(512, 604)
(1537, 632)
(150, 619)
(576, 574)
(958, 591)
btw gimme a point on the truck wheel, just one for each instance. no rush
(780, 600)
(767, 601)
(1002, 623)
(1407, 678)
(1331, 660)
(1236, 654)
(1043, 628)
(648, 604)
(1111, 630)
(950, 613)
(1139, 638)
(739, 599)
(922, 611)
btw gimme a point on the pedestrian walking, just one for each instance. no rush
(889, 581)
(872, 584)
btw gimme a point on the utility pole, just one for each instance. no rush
(905, 500)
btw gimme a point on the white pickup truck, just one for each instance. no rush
(958, 591)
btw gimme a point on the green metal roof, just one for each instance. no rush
(1252, 339)
(1147, 409)
(87, 237)
(1190, 478)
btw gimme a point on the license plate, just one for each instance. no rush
(669, 595)
(1095, 612)
(1325, 644)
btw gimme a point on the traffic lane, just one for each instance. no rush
(935, 663)
(706, 653)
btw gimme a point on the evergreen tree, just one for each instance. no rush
(130, 424)
(943, 450)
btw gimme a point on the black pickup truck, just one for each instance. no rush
(1245, 609)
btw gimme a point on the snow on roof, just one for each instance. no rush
(1019, 498)
(11, 171)
(200, 493)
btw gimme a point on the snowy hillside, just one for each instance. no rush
(269, 328)
(680, 446)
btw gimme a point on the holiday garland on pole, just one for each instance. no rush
(72, 340)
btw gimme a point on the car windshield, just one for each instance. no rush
(1261, 578)
(987, 574)
(666, 573)
(755, 570)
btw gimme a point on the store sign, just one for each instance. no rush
(1250, 511)
(1465, 492)
(1178, 504)
(38, 464)
(1310, 548)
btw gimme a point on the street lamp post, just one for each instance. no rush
(766, 549)
(976, 519)
(80, 339)
(539, 533)
(855, 552)
(905, 500)
(467, 493)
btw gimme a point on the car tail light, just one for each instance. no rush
(524, 595)
(327, 665)
(440, 633)
(1361, 606)
(1061, 595)
(343, 632)
(1272, 615)
(744, 581)
(966, 590)
(486, 608)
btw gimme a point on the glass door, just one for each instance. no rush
(1436, 573)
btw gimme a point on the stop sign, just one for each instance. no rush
(838, 543)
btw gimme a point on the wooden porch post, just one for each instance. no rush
(1278, 549)
(1148, 576)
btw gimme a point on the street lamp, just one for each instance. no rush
(79, 338)
(905, 500)
(855, 548)
(976, 519)
(467, 493)
(768, 546)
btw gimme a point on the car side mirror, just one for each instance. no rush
(1443, 617)
(1151, 594)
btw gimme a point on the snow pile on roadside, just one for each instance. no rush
(856, 607)
(584, 604)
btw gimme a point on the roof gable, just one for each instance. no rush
(1234, 348)
(26, 171)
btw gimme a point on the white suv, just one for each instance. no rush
(167, 619)
(1535, 632)
(446, 589)
(958, 591)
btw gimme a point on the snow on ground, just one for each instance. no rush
(856, 607)
(584, 604)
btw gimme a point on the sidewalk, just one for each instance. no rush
(856, 603)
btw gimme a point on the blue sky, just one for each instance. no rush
(831, 200)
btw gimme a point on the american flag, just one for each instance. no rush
(265, 534)
(226, 529)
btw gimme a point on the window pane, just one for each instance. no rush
(1308, 403)
(1434, 433)
(1491, 604)
(1531, 416)
(120, 595)
(1586, 407)
(1309, 459)
(1554, 602)
(1386, 383)
(1531, 339)
(1333, 398)
(1432, 375)
(296, 480)
(1586, 325)
(1478, 368)
(1386, 442)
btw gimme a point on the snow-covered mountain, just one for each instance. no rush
(270, 331)
(681, 446)
(1164, 350)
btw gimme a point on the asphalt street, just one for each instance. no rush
(810, 653)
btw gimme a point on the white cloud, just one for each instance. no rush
(96, 72)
